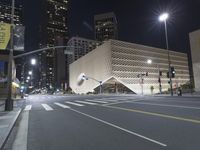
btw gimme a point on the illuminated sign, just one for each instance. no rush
(4, 35)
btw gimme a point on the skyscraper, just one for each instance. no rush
(5, 13)
(53, 32)
(5, 17)
(105, 26)
(82, 46)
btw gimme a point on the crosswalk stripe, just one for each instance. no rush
(109, 100)
(61, 105)
(98, 101)
(72, 103)
(47, 107)
(28, 107)
(89, 103)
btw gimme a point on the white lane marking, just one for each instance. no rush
(98, 101)
(72, 103)
(4, 126)
(61, 105)
(28, 107)
(114, 99)
(105, 99)
(89, 103)
(166, 105)
(47, 107)
(120, 128)
(121, 102)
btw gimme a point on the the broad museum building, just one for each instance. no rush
(124, 67)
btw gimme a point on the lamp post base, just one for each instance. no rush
(9, 105)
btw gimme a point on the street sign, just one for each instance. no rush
(19, 38)
(69, 50)
(4, 35)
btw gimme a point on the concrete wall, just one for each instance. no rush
(96, 64)
(129, 60)
(124, 61)
(195, 52)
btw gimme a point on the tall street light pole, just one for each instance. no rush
(9, 101)
(163, 18)
(149, 61)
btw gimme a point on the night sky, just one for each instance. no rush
(137, 20)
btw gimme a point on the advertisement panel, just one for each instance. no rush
(19, 38)
(4, 35)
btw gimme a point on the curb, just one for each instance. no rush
(10, 128)
(2, 104)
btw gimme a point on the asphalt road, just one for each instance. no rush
(51, 122)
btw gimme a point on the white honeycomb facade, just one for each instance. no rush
(195, 52)
(124, 61)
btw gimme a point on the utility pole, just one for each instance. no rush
(141, 76)
(159, 79)
(9, 101)
(169, 59)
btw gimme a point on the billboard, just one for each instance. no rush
(19, 38)
(4, 35)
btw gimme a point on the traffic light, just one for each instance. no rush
(168, 74)
(147, 74)
(173, 72)
(160, 73)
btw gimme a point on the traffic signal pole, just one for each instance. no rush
(159, 79)
(9, 100)
(169, 60)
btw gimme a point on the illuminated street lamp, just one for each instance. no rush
(28, 78)
(149, 61)
(163, 18)
(33, 61)
(30, 72)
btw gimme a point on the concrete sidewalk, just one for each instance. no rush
(2, 102)
(7, 121)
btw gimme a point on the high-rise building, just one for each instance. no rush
(53, 30)
(105, 26)
(82, 46)
(5, 17)
(5, 13)
(195, 52)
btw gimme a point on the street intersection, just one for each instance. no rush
(57, 122)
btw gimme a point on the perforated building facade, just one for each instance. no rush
(119, 63)
(195, 53)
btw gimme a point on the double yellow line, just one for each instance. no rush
(156, 114)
